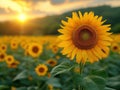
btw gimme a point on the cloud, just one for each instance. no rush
(8, 4)
(57, 1)
(113, 3)
(2, 11)
(48, 7)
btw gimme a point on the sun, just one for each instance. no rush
(22, 17)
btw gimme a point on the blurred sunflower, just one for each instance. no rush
(49, 75)
(26, 53)
(85, 37)
(54, 48)
(57, 57)
(77, 69)
(9, 59)
(115, 47)
(41, 69)
(14, 45)
(13, 88)
(51, 62)
(34, 49)
(24, 44)
(30, 78)
(50, 87)
(13, 64)
(3, 47)
(2, 56)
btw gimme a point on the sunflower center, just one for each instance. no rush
(2, 56)
(14, 44)
(9, 59)
(84, 37)
(115, 47)
(13, 64)
(35, 49)
(51, 62)
(3, 47)
(41, 69)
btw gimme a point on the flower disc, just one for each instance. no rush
(84, 37)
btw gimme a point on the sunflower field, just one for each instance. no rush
(84, 57)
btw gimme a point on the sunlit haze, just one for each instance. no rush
(22, 17)
(9, 9)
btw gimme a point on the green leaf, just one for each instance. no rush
(100, 81)
(100, 72)
(94, 83)
(3, 87)
(62, 68)
(21, 75)
(89, 84)
(32, 88)
(78, 79)
(54, 82)
(21, 88)
(114, 82)
(107, 88)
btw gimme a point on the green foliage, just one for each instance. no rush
(54, 82)
(94, 83)
(116, 28)
(3, 87)
(62, 68)
(114, 82)
(21, 75)
(101, 75)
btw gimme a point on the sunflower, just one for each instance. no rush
(115, 47)
(54, 48)
(13, 88)
(85, 37)
(14, 45)
(51, 62)
(30, 78)
(3, 47)
(57, 57)
(41, 69)
(2, 56)
(35, 49)
(13, 64)
(77, 69)
(49, 75)
(50, 87)
(9, 59)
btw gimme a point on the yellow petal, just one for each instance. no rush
(64, 37)
(65, 43)
(91, 57)
(74, 52)
(78, 56)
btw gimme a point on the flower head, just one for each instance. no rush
(85, 37)
(14, 44)
(115, 47)
(2, 56)
(9, 59)
(14, 64)
(41, 69)
(51, 62)
(34, 49)
(3, 47)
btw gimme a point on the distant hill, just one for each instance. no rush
(50, 24)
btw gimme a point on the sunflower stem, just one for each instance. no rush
(81, 66)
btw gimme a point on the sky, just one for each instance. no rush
(10, 9)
